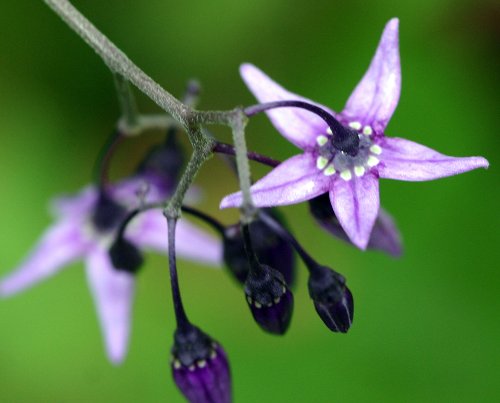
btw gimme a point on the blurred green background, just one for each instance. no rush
(426, 326)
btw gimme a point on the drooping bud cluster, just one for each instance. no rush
(344, 156)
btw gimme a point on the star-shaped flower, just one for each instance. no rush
(351, 181)
(85, 227)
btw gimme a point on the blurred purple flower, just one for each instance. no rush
(85, 227)
(351, 181)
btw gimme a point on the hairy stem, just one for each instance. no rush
(188, 118)
(238, 125)
(201, 153)
(117, 61)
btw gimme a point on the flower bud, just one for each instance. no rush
(125, 256)
(332, 299)
(270, 249)
(269, 299)
(385, 235)
(200, 367)
(164, 161)
(107, 213)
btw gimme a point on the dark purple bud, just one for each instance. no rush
(270, 249)
(385, 235)
(125, 256)
(332, 299)
(269, 299)
(164, 161)
(107, 213)
(200, 367)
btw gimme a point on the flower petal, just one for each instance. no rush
(297, 125)
(59, 245)
(376, 96)
(293, 181)
(113, 293)
(74, 205)
(385, 235)
(405, 160)
(356, 204)
(149, 230)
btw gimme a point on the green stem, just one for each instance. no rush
(238, 125)
(117, 61)
(202, 152)
(130, 114)
(188, 118)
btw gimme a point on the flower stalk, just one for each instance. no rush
(228, 149)
(344, 140)
(102, 163)
(180, 313)
(272, 223)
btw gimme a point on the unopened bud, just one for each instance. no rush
(200, 367)
(332, 299)
(269, 299)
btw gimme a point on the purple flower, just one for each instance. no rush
(86, 226)
(350, 180)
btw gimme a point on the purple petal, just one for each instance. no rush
(293, 181)
(127, 192)
(210, 384)
(59, 245)
(405, 160)
(297, 125)
(385, 235)
(356, 205)
(113, 293)
(149, 230)
(76, 205)
(276, 317)
(375, 98)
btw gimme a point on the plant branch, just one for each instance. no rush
(238, 125)
(117, 61)
(188, 118)
(202, 152)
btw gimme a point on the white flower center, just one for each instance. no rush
(332, 161)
